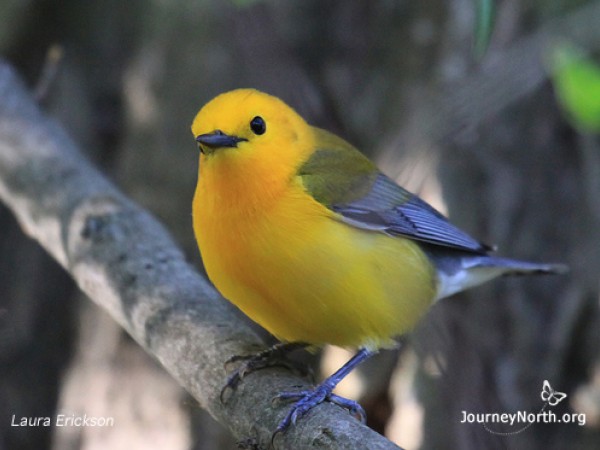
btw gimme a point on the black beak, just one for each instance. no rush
(218, 139)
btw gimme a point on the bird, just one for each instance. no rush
(309, 239)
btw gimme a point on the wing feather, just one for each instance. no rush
(345, 181)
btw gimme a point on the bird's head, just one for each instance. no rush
(247, 126)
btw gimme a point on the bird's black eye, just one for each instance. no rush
(258, 125)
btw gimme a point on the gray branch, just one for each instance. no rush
(126, 262)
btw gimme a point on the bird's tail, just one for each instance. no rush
(516, 267)
(472, 270)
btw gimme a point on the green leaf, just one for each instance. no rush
(576, 80)
(484, 25)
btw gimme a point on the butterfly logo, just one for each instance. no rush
(551, 396)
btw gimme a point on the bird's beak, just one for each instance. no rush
(217, 139)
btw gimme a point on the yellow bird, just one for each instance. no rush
(310, 240)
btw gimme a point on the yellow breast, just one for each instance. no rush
(289, 264)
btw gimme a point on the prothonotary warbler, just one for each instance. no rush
(310, 240)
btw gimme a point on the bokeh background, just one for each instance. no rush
(488, 110)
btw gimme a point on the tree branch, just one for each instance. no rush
(125, 261)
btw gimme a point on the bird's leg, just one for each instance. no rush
(306, 400)
(273, 356)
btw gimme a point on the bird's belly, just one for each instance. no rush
(305, 276)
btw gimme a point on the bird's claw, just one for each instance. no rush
(308, 399)
(274, 356)
(353, 407)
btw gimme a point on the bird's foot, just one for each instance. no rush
(306, 400)
(271, 357)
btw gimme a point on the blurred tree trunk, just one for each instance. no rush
(36, 335)
(519, 177)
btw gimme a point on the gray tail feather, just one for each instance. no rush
(516, 267)
(457, 273)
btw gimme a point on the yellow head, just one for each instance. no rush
(252, 131)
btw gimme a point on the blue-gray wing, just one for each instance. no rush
(392, 209)
(340, 177)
